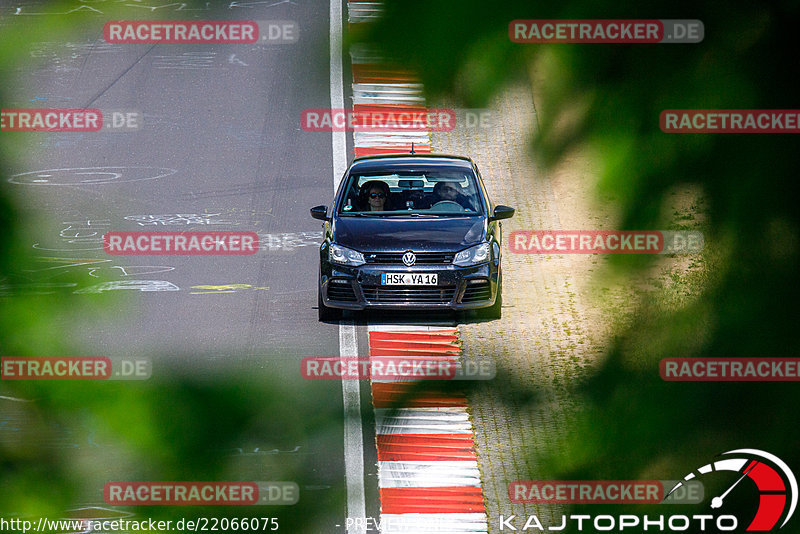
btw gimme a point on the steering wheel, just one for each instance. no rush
(448, 205)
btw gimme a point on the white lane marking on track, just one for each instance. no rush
(338, 139)
(353, 433)
(348, 343)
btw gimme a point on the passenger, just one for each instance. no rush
(376, 195)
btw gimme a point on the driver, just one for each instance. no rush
(450, 191)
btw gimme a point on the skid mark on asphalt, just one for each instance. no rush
(287, 241)
(90, 175)
(226, 288)
(185, 61)
(177, 219)
(130, 285)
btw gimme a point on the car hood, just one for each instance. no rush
(398, 234)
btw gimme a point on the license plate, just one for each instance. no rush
(409, 279)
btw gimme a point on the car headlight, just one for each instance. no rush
(473, 255)
(345, 256)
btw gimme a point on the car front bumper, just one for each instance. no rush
(458, 288)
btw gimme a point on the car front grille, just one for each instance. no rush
(423, 258)
(409, 294)
(341, 290)
(477, 292)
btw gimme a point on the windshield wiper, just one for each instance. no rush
(410, 214)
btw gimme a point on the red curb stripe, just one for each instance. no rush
(431, 337)
(462, 499)
(453, 355)
(372, 73)
(388, 394)
(401, 333)
(425, 447)
(389, 108)
(400, 355)
(415, 345)
(454, 440)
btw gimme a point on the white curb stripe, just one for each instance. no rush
(390, 427)
(438, 474)
(367, 89)
(363, 11)
(387, 100)
(387, 86)
(364, 139)
(456, 414)
(410, 328)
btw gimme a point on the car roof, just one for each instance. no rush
(408, 162)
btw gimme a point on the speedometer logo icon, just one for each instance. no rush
(775, 482)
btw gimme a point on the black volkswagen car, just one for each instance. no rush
(411, 232)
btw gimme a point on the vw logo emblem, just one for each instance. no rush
(409, 258)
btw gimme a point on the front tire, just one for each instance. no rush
(326, 313)
(495, 311)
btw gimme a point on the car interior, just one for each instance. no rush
(411, 193)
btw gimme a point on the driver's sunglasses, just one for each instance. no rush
(377, 195)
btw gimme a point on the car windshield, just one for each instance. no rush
(436, 192)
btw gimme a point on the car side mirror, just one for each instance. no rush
(502, 212)
(320, 212)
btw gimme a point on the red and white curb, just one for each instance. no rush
(428, 474)
(376, 90)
